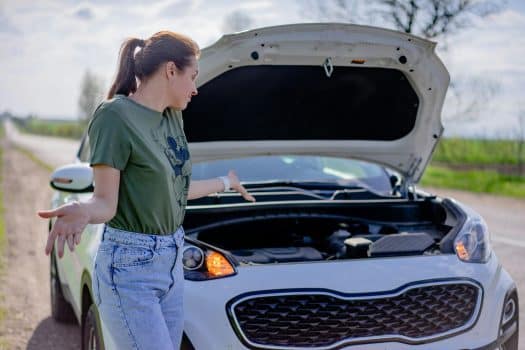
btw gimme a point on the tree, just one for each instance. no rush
(427, 18)
(91, 93)
(431, 19)
(236, 21)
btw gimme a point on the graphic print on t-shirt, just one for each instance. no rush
(173, 145)
(177, 155)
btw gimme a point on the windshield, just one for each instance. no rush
(298, 169)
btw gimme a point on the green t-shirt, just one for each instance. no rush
(151, 151)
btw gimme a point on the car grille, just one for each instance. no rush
(321, 319)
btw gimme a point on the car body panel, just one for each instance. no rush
(311, 45)
(358, 276)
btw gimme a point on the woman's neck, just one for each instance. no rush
(147, 95)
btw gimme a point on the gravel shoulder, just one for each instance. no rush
(25, 284)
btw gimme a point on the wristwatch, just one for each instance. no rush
(226, 182)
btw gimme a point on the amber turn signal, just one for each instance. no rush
(218, 265)
(462, 251)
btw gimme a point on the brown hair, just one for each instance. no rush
(164, 46)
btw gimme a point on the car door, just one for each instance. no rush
(71, 265)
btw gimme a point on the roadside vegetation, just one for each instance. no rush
(458, 151)
(3, 238)
(477, 165)
(57, 128)
(2, 222)
(488, 166)
(483, 181)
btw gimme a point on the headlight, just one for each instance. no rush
(192, 257)
(204, 264)
(472, 243)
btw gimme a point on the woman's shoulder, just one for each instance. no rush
(114, 105)
(113, 108)
(109, 113)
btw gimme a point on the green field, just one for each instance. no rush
(478, 152)
(475, 181)
(486, 166)
(58, 128)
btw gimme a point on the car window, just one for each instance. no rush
(297, 168)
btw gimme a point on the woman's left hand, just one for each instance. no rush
(235, 184)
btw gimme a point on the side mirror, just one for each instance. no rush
(75, 178)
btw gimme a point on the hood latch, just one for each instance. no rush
(328, 67)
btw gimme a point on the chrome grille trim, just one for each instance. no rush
(358, 296)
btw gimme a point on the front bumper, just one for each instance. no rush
(208, 326)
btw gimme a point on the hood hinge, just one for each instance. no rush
(408, 184)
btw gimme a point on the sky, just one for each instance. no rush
(46, 47)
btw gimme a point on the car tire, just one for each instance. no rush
(61, 310)
(91, 331)
(512, 343)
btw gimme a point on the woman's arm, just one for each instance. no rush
(73, 217)
(202, 188)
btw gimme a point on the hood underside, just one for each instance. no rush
(324, 89)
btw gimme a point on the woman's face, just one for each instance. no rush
(182, 84)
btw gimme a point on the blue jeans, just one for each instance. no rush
(138, 288)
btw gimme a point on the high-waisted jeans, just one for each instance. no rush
(138, 288)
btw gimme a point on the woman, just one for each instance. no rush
(141, 167)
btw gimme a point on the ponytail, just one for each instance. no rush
(125, 82)
(162, 47)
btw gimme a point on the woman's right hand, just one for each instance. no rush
(71, 220)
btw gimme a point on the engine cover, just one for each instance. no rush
(273, 255)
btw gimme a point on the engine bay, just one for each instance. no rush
(266, 235)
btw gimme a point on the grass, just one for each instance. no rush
(3, 238)
(478, 166)
(68, 129)
(478, 152)
(475, 181)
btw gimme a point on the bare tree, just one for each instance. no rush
(433, 18)
(426, 18)
(91, 93)
(236, 21)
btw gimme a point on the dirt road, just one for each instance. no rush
(25, 286)
(51, 150)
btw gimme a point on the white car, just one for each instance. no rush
(330, 126)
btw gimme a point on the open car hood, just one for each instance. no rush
(320, 89)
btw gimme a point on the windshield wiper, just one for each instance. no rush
(310, 185)
(275, 186)
(350, 190)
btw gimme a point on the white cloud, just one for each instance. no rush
(493, 50)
